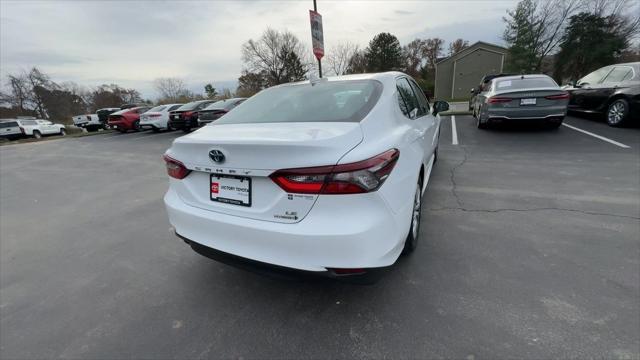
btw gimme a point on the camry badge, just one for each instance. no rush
(216, 155)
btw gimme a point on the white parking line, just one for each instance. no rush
(597, 136)
(454, 131)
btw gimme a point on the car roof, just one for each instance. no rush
(384, 77)
(517, 77)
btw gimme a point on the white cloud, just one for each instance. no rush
(131, 43)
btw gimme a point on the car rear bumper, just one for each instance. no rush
(155, 124)
(338, 233)
(549, 112)
(120, 125)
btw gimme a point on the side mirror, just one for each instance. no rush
(414, 113)
(440, 106)
(473, 90)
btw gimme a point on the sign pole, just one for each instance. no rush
(315, 9)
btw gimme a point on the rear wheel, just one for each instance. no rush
(36, 134)
(136, 125)
(411, 242)
(554, 124)
(480, 124)
(63, 132)
(618, 112)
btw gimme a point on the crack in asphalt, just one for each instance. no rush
(452, 177)
(446, 208)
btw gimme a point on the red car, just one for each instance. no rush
(127, 119)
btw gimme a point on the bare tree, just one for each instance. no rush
(36, 78)
(18, 95)
(457, 45)
(338, 57)
(413, 54)
(271, 54)
(432, 50)
(624, 15)
(170, 89)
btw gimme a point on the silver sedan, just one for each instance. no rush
(522, 97)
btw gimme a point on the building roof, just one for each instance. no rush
(469, 50)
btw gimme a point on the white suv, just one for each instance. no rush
(37, 128)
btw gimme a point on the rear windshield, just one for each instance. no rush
(334, 101)
(215, 105)
(189, 106)
(157, 108)
(121, 112)
(6, 124)
(526, 83)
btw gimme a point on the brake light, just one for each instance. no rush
(175, 168)
(188, 113)
(496, 100)
(563, 96)
(354, 178)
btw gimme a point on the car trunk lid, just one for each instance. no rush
(251, 153)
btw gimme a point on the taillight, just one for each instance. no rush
(354, 178)
(188, 113)
(564, 96)
(496, 100)
(175, 168)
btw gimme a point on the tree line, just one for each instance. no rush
(563, 38)
(570, 38)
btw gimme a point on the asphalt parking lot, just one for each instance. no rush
(530, 247)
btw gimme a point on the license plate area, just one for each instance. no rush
(527, 102)
(230, 189)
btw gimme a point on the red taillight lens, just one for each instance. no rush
(175, 168)
(355, 178)
(188, 113)
(496, 100)
(564, 96)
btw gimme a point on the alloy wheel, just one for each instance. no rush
(616, 112)
(415, 223)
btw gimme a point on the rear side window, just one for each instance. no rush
(526, 83)
(174, 107)
(618, 74)
(326, 101)
(422, 98)
(6, 124)
(406, 94)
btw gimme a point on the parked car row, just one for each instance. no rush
(613, 91)
(29, 127)
(197, 113)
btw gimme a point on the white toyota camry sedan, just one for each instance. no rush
(321, 176)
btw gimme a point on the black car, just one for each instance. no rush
(217, 109)
(613, 90)
(483, 82)
(186, 116)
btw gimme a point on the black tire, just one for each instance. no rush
(36, 134)
(618, 113)
(63, 132)
(554, 124)
(186, 129)
(481, 125)
(411, 242)
(122, 130)
(155, 129)
(136, 126)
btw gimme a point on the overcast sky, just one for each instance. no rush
(132, 42)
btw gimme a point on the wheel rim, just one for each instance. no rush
(616, 112)
(36, 135)
(415, 219)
